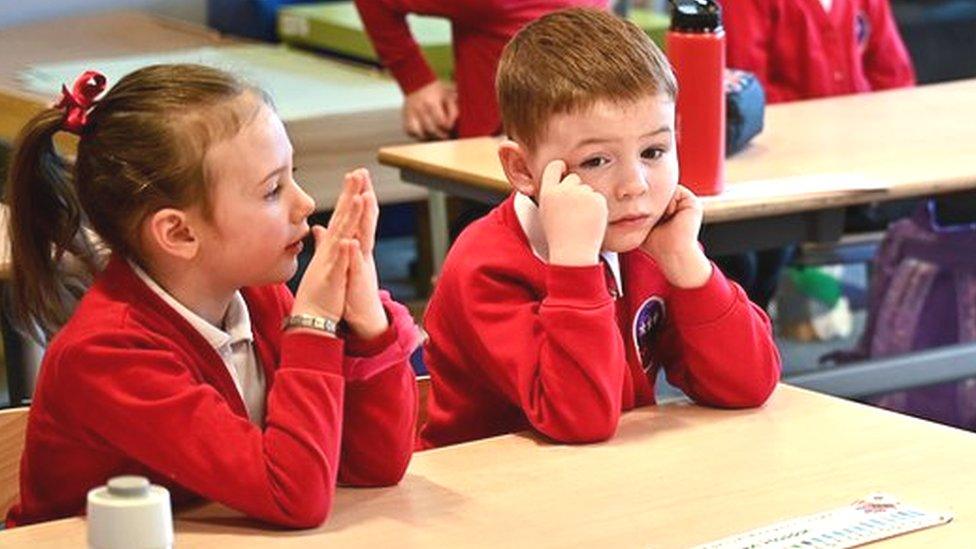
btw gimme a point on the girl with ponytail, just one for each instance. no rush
(187, 360)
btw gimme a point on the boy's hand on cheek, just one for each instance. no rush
(573, 215)
(673, 242)
(364, 312)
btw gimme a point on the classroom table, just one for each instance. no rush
(792, 182)
(330, 137)
(673, 476)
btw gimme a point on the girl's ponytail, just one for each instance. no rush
(44, 224)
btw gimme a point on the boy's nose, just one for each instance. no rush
(633, 183)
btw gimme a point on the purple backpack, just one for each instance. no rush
(923, 295)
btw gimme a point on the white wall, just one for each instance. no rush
(14, 12)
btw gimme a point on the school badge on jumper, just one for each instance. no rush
(648, 323)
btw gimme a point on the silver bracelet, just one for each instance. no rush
(320, 323)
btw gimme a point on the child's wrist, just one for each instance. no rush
(369, 326)
(312, 310)
(570, 256)
(686, 269)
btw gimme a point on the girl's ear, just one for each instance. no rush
(170, 232)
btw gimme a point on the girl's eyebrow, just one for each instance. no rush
(274, 173)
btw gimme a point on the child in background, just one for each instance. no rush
(816, 48)
(433, 109)
(556, 311)
(188, 361)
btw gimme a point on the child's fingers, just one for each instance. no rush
(370, 216)
(366, 182)
(355, 259)
(350, 187)
(552, 175)
(348, 225)
(572, 179)
(685, 199)
(319, 234)
(451, 109)
(344, 258)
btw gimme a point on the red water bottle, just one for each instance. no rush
(696, 48)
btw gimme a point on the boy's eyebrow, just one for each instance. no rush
(598, 140)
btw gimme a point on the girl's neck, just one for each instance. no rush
(194, 290)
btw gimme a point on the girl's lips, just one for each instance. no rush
(295, 247)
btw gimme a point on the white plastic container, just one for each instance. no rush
(129, 513)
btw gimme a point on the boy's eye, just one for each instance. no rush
(652, 153)
(594, 162)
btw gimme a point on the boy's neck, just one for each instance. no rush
(194, 291)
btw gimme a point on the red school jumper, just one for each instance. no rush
(480, 30)
(128, 386)
(799, 50)
(516, 343)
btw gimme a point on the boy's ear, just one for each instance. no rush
(516, 166)
(171, 233)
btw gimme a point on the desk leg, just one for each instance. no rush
(437, 210)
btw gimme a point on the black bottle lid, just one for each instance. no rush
(696, 16)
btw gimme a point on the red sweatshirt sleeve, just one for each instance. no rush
(562, 360)
(151, 408)
(381, 403)
(719, 348)
(386, 24)
(887, 63)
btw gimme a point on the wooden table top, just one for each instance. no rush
(674, 475)
(811, 155)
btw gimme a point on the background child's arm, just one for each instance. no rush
(385, 22)
(886, 61)
(430, 106)
(718, 347)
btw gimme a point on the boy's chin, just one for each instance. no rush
(622, 243)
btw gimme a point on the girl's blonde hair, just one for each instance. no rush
(142, 149)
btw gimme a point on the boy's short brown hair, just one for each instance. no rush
(568, 60)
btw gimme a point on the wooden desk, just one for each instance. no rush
(325, 147)
(864, 148)
(673, 476)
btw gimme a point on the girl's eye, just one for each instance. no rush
(595, 162)
(273, 193)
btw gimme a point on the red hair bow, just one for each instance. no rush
(80, 99)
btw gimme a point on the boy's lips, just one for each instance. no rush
(634, 219)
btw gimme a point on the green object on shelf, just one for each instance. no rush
(336, 27)
(655, 24)
(816, 284)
